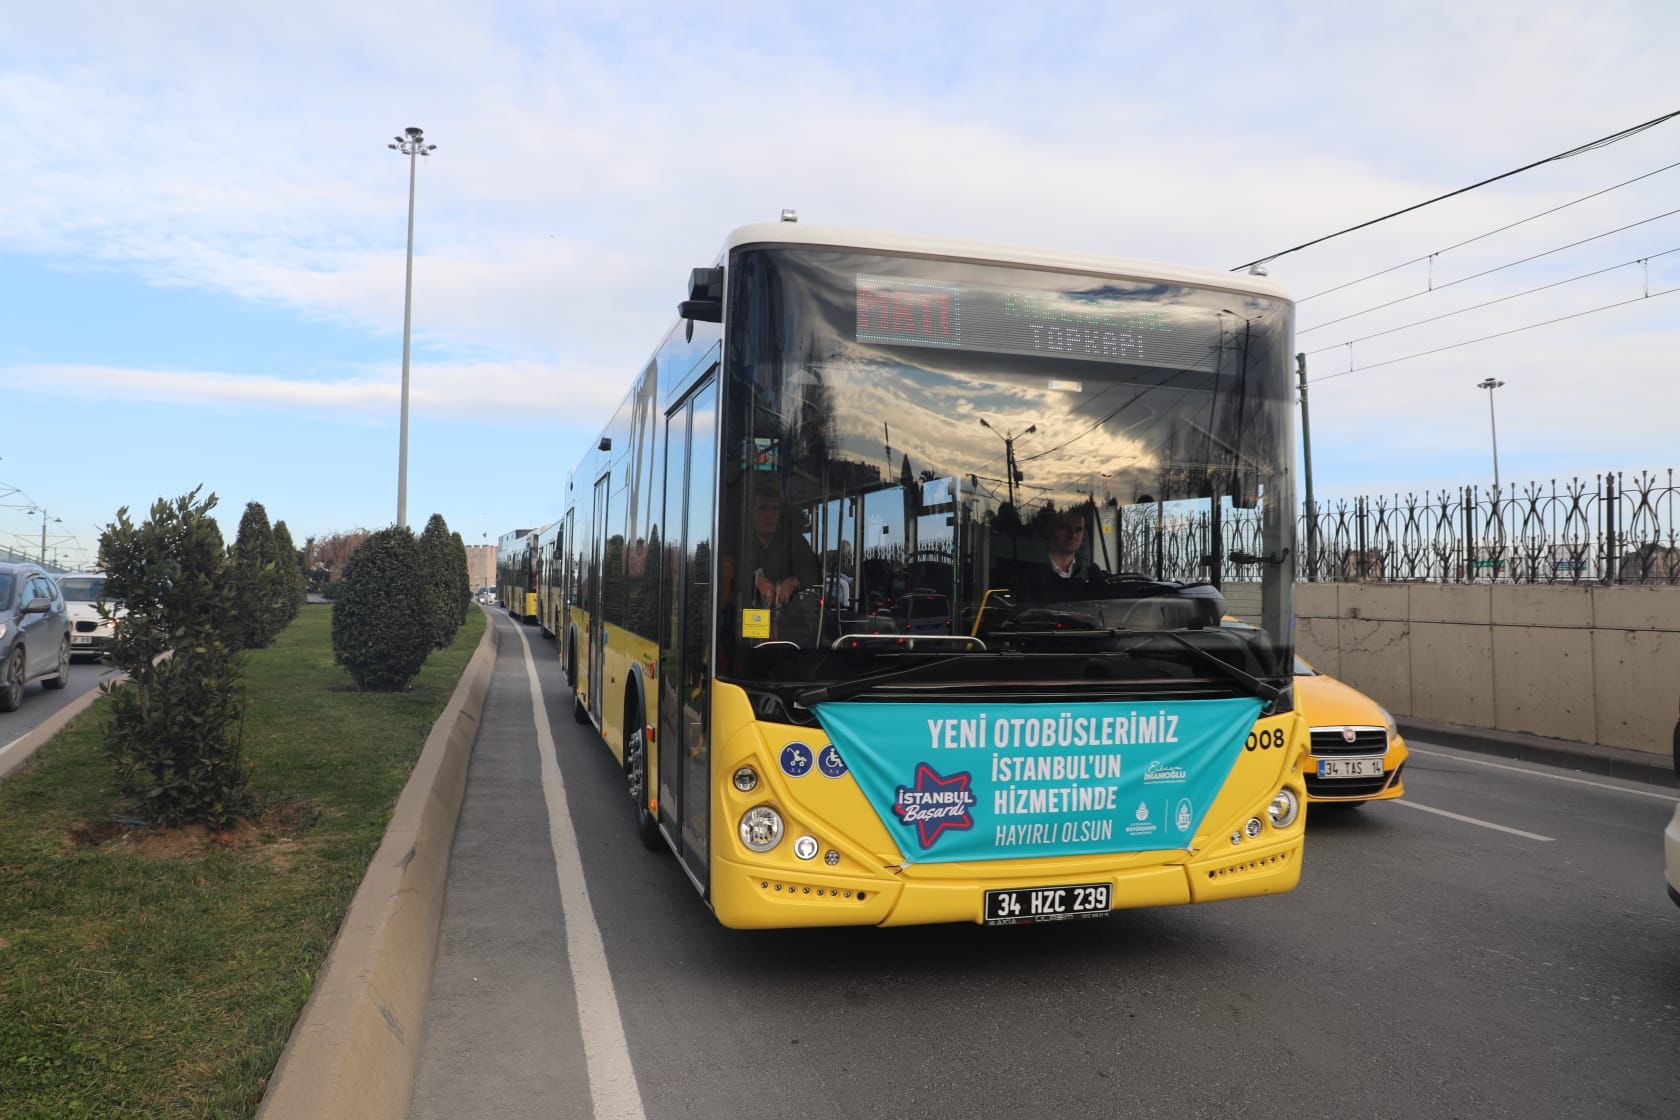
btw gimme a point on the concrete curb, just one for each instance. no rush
(353, 1051)
(17, 752)
(1613, 762)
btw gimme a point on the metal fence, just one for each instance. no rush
(12, 556)
(1615, 528)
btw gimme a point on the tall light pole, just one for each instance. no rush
(44, 520)
(411, 144)
(1490, 384)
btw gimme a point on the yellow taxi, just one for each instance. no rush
(1357, 752)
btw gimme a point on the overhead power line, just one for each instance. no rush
(1491, 302)
(1489, 233)
(1601, 142)
(1500, 334)
(1485, 272)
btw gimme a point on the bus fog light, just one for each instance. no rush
(1253, 828)
(1283, 810)
(761, 828)
(805, 847)
(746, 779)
(831, 857)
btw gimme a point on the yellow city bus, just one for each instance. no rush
(516, 573)
(845, 596)
(549, 552)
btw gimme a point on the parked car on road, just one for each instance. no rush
(90, 632)
(34, 633)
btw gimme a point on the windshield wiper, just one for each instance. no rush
(845, 689)
(1252, 685)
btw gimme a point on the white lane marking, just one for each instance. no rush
(1669, 797)
(612, 1079)
(1472, 820)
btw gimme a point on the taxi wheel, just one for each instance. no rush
(636, 782)
(11, 682)
(63, 676)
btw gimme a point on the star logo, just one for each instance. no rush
(935, 804)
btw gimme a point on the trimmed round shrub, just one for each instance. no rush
(381, 627)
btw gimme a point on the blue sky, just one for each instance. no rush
(201, 235)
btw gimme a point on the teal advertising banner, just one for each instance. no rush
(976, 782)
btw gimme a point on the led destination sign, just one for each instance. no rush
(1104, 323)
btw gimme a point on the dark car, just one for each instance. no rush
(34, 633)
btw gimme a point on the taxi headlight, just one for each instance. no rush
(1388, 722)
(1283, 810)
(761, 828)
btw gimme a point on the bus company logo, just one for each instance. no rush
(935, 804)
(1159, 772)
(1182, 817)
(796, 760)
(1144, 826)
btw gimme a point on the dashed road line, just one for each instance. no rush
(613, 1089)
(1668, 797)
(1471, 820)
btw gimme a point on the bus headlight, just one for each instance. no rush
(761, 828)
(745, 779)
(1283, 810)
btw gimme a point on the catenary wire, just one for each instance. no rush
(1485, 272)
(1601, 142)
(1490, 233)
(1486, 337)
(1491, 302)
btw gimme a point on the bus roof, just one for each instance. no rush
(795, 233)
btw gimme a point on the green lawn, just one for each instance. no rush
(153, 974)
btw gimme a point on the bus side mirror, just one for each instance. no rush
(705, 296)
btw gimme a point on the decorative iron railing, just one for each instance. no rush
(1616, 528)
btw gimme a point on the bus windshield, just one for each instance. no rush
(953, 475)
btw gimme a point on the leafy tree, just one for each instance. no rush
(289, 586)
(381, 628)
(254, 578)
(173, 728)
(437, 561)
(331, 553)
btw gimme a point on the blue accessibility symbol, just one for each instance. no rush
(796, 760)
(830, 762)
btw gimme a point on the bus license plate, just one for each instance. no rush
(1350, 767)
(1047, 904)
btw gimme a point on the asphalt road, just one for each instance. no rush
(1517, 958)
(40, 702)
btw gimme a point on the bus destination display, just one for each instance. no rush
(1104, 323)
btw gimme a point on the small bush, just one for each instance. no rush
(254, 575)
(461, 587)
(438, 562)
(173, 729)
(290, 586)
(381, 629)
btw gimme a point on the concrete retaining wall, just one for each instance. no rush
(1591, 664)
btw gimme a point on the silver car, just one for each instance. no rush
(34, 633)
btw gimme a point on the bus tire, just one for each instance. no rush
(636, 780)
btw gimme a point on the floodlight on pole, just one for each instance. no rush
(411, 143)
(1490, 384)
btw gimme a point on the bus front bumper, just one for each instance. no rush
(748, 897)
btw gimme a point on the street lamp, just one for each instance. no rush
(411, 144)
(44, 520)
(1490, 384)
(1009, 457)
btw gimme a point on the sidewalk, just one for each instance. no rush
(1614, 762)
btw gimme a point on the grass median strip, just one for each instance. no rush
(157, 973)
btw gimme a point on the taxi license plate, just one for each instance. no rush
(1350, 767)
(1047, 904)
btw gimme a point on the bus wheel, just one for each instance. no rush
(579, 711)
(636, 780)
